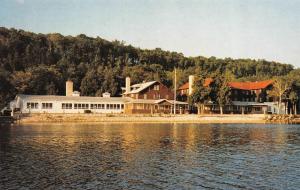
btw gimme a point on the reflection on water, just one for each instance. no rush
(150, 156)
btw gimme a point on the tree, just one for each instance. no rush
(280, 87)
(200, 95)
(294, 98)
(6, 88)
(40, 64)
(221, 91)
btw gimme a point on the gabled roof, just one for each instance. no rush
(250, 85)
(140, 87)
(207, 82)
(152, 101)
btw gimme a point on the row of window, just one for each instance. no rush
(155, 96)
(35, 105)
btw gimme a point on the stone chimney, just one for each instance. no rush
(127, 85)
(69, 88)
(191, 83)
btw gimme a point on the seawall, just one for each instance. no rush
(58, 118)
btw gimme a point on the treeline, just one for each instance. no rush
(41, 63)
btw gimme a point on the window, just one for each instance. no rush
(122, 106)
(81, 106)
(97, 106)
(32, 105)
(101, 106)
(156, 87)
(47, 105)
(66, 106)
(145, 96)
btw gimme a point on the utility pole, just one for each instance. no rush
(175, 92)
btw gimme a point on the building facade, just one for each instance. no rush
(68, 104)
(145, 98)
(246, 97)
(152, 90)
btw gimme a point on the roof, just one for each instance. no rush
(82, 99)
(237, 85)
(140, 87)
(240, 103)
(250, 85)
(185, 86)
(150, 101)
(72, 98)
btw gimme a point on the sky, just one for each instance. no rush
(256, 29)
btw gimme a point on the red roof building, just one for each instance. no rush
(240, 91)
(258, 85)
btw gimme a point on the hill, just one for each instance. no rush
(41, 63)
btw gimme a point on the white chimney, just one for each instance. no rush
(106, 95)
(127, 85)
(76, 93)
(69, 88)
(191, 83)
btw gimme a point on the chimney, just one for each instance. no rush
(191, 83)
(127, 85)
(69, 88)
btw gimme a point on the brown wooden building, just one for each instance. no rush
(162, 106)
(153, 90)
(150, 98)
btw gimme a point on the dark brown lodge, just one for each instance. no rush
(150, 98)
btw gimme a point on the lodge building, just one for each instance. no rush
(246, 97)
(151, 97)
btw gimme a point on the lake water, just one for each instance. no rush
(150, 156)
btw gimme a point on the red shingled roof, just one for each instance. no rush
(186, 85)
(250, 85)
(237, 85)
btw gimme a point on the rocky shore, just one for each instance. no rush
(282, 118)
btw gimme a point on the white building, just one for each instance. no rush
(71, 103)
(68, 104)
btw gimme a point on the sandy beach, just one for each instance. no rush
(37, 118)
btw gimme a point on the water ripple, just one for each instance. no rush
(150, 156)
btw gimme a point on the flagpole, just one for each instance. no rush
(175, 92)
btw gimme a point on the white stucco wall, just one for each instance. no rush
(57, 107)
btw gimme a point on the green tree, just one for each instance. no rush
(221, 91)
(200, 95)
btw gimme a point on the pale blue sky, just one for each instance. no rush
(258, 29)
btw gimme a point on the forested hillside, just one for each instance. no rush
(41, 63)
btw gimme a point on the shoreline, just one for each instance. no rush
(122, 118)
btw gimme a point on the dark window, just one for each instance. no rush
(32, 105)
(47, 105)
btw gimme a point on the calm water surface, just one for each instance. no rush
(150, 156)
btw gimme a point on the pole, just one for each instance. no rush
(175, 92)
